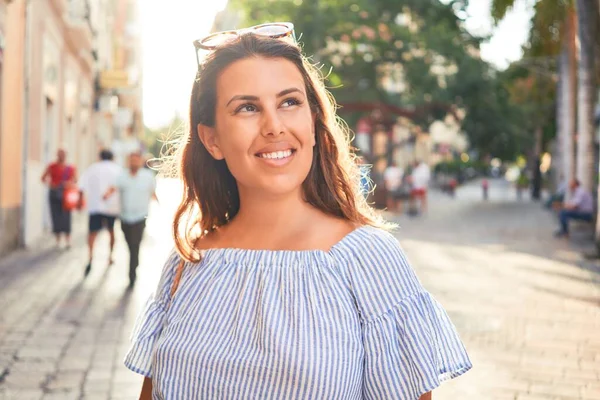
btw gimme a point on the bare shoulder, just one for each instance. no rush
(328, 231)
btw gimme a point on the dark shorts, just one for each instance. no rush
(99, 221)
(402, 193)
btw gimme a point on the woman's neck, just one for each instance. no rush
(271, 219)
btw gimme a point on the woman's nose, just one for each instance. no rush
(271, 123)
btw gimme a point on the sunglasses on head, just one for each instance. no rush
(274, 30)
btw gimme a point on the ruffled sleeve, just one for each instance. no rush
(411, 346)
(150, 321)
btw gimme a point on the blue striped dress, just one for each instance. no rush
(353, 322)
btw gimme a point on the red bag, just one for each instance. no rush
(71, 198)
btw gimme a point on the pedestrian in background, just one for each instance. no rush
(136, 187)
(285, 283)
(485, 186)
(580, 206)
(60, 176)
(521, 184)
(421, 175)
(95, 182)
(392, 178)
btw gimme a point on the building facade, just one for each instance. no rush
(54, 54)
(119, 88)
(59, 87)
(12, 29)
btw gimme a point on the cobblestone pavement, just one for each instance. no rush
(526, 305)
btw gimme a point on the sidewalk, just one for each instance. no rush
(45, 246)
(526, 305)
(63, 337)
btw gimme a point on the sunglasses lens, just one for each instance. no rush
(218, 39)
(271, 30)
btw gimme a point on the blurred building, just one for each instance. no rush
(119, 90)
(71, 69)
(12, 30)
(447, 139)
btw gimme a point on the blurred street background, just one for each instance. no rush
(496, 99)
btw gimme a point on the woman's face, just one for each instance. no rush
(264, 127)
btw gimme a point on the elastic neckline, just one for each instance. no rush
(281, 257)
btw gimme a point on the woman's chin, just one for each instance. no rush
(282, 188)
(277, 187)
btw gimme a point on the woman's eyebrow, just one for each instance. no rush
(288, 91)
(247, 97)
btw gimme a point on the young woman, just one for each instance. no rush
(284, 284)
(59, 176)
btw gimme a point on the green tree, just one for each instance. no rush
(552, 36)
(534, 91)
(414, 54)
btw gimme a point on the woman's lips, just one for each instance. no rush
(276, 158)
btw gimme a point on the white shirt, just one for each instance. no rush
(136, 193)
(420, 176)
(393, 178)
(582, 200)
(95, 182)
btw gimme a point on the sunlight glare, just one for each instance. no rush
(169, 63)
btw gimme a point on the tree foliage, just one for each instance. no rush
(414, 54)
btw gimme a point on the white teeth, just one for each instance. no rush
(276, 154)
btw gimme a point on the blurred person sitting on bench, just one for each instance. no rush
(580, 206)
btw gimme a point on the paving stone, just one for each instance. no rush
(20, 394)
(524, 303)
(62, 395)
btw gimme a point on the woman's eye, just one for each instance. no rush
(246, 108)
(290, 102)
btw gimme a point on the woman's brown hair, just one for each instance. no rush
(211, 198)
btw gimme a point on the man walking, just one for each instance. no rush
(96, 180)
(136, 187)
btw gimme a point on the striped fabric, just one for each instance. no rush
(350, 323)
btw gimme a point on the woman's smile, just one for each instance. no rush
(276, 154)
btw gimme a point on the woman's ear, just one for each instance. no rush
(208, 137)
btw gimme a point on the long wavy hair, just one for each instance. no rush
(211, 198)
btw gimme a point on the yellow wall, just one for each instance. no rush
(11, 130)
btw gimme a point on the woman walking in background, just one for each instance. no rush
(59, 176)
(286, 285)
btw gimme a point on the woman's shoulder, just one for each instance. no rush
(209, 240)
(368, 240)
(376, 270)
